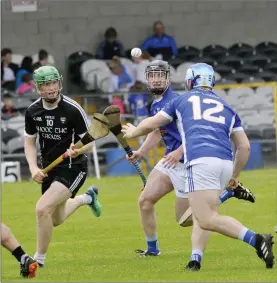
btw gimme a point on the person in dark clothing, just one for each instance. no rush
(8, 69)
(26, 68)
(110, 47)
(42, 59)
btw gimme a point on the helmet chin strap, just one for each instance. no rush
(158, 91)
(50, 100)
(54, 99)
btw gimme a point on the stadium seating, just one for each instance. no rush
(175, 62)
(223, 70)
(8, 134)
(188, 53)
(271, 67)
(266, 76)
(241, 50)
(74, 62)
(238, 77)
(248, 68)
(255, 107)
(232, 61)
(51, 59)
(93, 73)
(267, 48)
(237, 63)
(259, 60)
(126, 61)
(206, 59)
(215, 51)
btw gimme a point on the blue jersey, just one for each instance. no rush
(170, 133)
(205, 122)
(138, 104)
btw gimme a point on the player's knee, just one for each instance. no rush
(206, 222)
(145, 203)
(42, 210)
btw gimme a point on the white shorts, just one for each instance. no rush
(208, 173)
(177, 177)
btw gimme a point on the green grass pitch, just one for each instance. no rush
(90, 249)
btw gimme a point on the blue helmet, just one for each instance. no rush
(200, 74)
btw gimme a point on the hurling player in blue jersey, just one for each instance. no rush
(207, 125)
(169, 173)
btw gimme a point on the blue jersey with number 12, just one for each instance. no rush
(169, 132)
(205, 122)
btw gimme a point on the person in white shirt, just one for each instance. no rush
(121, 79)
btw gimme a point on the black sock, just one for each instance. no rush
(18, 253)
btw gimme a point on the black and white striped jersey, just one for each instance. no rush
(56, 129)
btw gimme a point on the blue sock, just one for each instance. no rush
(196, 255)
(152, 244)
(247, 236)
(226, 194)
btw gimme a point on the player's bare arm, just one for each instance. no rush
(31, 156)
(242, 144)
(145, 127)
(151, 140)
(74, 152)
(174, 157)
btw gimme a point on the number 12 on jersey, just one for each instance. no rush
(207, 114)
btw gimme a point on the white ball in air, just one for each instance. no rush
(136, 52)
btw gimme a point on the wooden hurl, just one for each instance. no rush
(113, 115)
(99, 128)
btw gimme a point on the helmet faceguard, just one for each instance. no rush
(48, 83)
(157, 76)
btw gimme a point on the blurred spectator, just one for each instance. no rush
(8, 69)
(110, 47)
(8, 109)
(160, 44)
(138, 103)
(42, 59)
(27, 85)
(121, 78)
(118, 101)
(139, 69)
(26, 68)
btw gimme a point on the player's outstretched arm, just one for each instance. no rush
(145, 127)
(152, 139)
(242, 144)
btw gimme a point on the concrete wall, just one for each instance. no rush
(63, 27)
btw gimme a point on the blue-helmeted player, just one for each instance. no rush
(169, 173)
(207, 125)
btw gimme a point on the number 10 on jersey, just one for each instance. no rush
(207, 114)
(49, 123)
